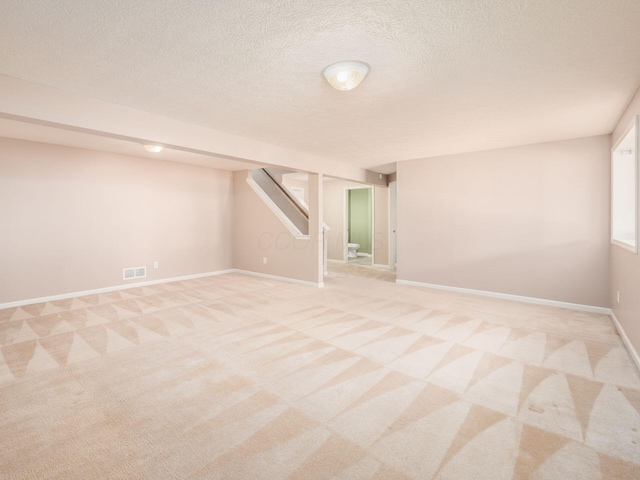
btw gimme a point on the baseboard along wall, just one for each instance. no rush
(503, 296)
(538, 301)
(114, 288)
(625, 339)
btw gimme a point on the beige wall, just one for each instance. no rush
(258, 233)
(530, 221)
(625, 265)
(72, 219)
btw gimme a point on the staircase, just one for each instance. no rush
(296, 214)
(291, 212)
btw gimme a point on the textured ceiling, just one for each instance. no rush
(447, 76)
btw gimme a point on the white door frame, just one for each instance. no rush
(393, 225)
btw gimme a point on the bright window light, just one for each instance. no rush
(624, 190)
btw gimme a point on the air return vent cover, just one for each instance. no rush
(134, 272)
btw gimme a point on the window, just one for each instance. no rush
(624, 190)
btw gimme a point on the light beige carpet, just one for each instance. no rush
(235, 377)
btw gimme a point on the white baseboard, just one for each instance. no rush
(380, 265)
(507, 296)
(363, 254)
(331, 260)
(114, 288)
(282, 279)
(625, 339)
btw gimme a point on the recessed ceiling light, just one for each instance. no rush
(345, 75)
(153, 148)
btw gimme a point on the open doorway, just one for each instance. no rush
(373, 262)
(359, 225)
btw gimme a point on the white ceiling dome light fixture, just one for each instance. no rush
(153, 148)
(346, 75)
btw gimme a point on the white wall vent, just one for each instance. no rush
(134, 272)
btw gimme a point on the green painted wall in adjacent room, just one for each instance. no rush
(360, 218)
